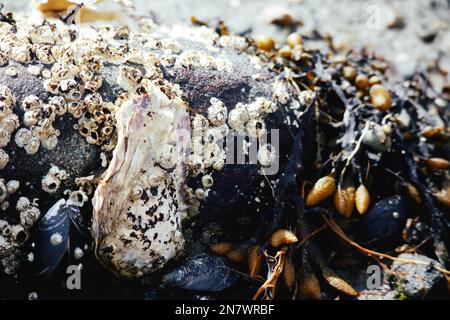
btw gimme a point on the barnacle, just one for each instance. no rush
(217, 112)
(23, 204)
(32, 146)
(29, 216)
(267, 155)
(52, 180)
(4, 159)
(129, 78)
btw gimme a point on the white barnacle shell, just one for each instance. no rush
(3, 191)
(31, 102)
(29, 216)
(22, 204)
(50, 183)
(155, 176)
(78, 253)
(34, 70)
(10, 122)
(22, 137)
(52, 85)
(238, 117)
(70, 89)
(211, 152)
(58, 105)
(31, 118)
(306, 96)
(168, 156)
(129, 78)
(5, 228)
(195, 164)
(52, 180)
(42, 34)
(4, 137)
(44, 54)
(50, 142)
(256, 128)
(4, 205)
(255, 110)
(266, 155)
(218, 164)
(4, 109)
(280, 91)
(7, 96)
(19, 234)
(207, 181)
(217, 112)
(11, 71)
(32, 145)
(3, 59)
(12, 186)
(137, 192)
(4, 159)
(21, 53)
(56, 239)
(78, 198)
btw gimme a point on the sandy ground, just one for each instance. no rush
(423, 38)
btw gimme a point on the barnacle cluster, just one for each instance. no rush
(13, 235)
(52, 180)
(97, 124)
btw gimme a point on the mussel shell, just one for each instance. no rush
(201, 273)
(47, 255)
(382, 226)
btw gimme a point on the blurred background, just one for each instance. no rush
(409, 33)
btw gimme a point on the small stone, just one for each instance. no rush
(416, 281)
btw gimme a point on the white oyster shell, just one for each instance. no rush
(139, 202)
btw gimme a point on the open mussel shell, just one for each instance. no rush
(201, 273)
(51, 238)
(382, 226)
